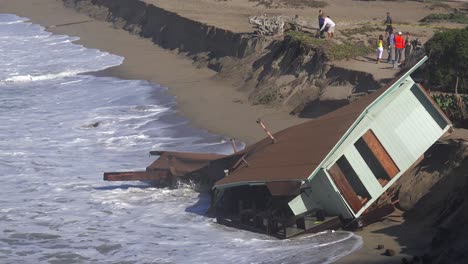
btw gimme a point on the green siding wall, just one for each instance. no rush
(404, 124)
(321, 194)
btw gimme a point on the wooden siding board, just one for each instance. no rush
(418, 130)
(390, 141)
(327, 195)
(345, 188)
(321, 193)
(302, 203)
(384, 129)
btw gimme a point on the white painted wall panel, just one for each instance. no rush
(321, 195)
(406, 129)
(418, 130)
(362, 170)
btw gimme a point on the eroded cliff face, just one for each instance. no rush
(284, 73)
(167, 29)
(435, 195)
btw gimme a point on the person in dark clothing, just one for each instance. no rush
(390, 45)
(407, 46)
(388, 23)
(321, 20)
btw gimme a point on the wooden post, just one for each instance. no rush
(233, 143)
(273, 140)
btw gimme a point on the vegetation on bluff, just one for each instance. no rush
(334, 51)
(448, 64)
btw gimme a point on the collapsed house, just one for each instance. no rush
(315, 175)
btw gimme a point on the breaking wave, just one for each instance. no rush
(31, 78)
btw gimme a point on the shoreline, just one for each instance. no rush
(207, 103)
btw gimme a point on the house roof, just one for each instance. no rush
(300, 149)
(181, 163)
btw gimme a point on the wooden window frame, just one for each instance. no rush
(345, 188)
(381, 154)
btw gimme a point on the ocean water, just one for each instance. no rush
(60, 129)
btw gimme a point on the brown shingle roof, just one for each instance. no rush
(181, 163)
(299, 149)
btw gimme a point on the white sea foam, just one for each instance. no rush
(31, 78)
(59, 131)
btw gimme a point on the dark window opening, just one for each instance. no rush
(353, 179)
(422, 98)
(372, 162)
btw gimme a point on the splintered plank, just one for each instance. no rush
(345, 188)
(134, 176)
(380, 153)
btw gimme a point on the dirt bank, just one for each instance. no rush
(435, 197)
(284, 73)
(429, 225)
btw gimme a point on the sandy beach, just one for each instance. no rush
(217, 105)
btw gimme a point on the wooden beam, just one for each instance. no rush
(134, 176)
(345, 188)
(380, 153)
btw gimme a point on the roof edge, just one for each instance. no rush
(235, 184)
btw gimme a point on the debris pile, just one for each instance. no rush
(268, 26)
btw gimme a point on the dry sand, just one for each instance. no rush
(233, 14)
(217, 106)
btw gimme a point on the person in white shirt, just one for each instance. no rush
(331, 27)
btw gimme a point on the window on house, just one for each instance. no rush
(425, 101)
(377, 158)
(372, 162)
(349, 184)
(352, 178)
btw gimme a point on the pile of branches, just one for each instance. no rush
(268, 26)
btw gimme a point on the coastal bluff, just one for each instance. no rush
(283, 72)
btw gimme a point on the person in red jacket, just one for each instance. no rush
(399, 47)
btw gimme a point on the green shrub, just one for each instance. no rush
(267, 98)
(460, 18)
(304, 38)
(290, 3)
(448, 53)
(440, 5)
(333, 51)
(364, 30)
(453, 108)
(348, 50)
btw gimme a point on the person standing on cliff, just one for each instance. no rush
(399, 47)
(379, 48)
(388, 23)
(327, 22)
(391, 45)
(407, 46)
(321, 21)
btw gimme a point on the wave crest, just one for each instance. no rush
(44, 77)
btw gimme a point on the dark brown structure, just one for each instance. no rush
(310, 176)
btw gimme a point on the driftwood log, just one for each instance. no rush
(276, 25)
